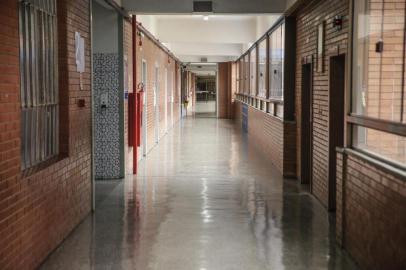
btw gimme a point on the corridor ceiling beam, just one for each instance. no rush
(219, 6)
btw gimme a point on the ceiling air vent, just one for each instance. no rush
(203, 59)
(202, 6)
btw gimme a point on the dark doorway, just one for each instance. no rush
(206, 91)
(307, 126)
(336, 121)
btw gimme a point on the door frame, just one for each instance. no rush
(172, 83)
(306, 154)
(336, 113)
(156, 103)
(144, 106)
(166, 99)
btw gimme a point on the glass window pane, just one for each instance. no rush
(253, 72)
(246, 74)
(39, 89)
(404, 89)
(386, 145)
(237, 77)
(379, 31)
(262, 69)
(276, 64)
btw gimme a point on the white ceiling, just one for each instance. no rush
(221, 38)
(219, 6)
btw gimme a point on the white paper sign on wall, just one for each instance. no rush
(80, 52)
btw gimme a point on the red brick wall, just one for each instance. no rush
(266, 132)
(308, 20)
(269, 134)
(155, 56)
(38, 211)
(374, 202)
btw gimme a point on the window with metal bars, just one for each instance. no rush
(39, 81)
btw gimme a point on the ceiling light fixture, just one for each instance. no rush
(206, 17)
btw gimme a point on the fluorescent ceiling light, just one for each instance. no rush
(206, 17)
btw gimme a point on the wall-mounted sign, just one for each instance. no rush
(79, 52)
(320, 47)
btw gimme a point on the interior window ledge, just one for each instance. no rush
(385, 165)
(43, 165)
(267, 113)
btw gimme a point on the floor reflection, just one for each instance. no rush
(204, 199)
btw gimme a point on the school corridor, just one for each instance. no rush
(202, 134)
(203, 199)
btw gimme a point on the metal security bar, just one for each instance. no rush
(39, 81)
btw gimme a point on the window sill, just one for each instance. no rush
(267, 113)
(381, 163)
(42, 166)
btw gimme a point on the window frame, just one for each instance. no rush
(353, 120)
(394, 127)
(270, 34)
(39, 91)
(266, 72)
(253, 70)
(268, 104)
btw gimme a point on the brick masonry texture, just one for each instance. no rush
(37, 211)
(268, 133)
(374, 221)
(307, 21)
(154, 56)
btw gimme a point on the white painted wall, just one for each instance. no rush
(219, 6)
(221, 38)
(213, 49)
(216, 30)
(263, 23)
(149, 22)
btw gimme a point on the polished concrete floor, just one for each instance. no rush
(204, 199)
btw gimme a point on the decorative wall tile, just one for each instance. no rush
(107, 119)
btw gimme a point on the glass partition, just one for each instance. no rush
(276, 61)
(378, 81)
(378, 59)
(262, 61)
(253, 72)
(246, 74)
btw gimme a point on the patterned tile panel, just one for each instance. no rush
(107, 134)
